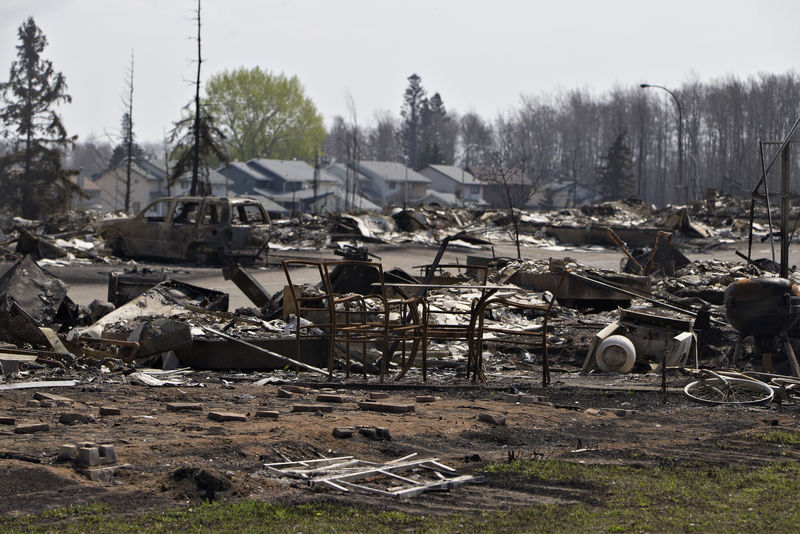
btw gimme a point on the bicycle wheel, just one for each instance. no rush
(729, 391)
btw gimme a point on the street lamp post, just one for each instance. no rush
(681, 191)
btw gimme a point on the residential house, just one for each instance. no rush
(90, 199)
(352, 183)
(388, 182)
(332, 201)
(288, 176)
(456, 181)
(244, 179)
(513, 184)
(557, 195)
(148, 182)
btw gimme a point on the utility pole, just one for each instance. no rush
(129, 139)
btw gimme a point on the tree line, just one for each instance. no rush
(621, 143)
(566, 137)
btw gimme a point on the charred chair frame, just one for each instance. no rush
(311, 303)
(460, 332)
(386, 321)
(517, 337)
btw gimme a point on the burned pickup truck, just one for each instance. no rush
(194, 229)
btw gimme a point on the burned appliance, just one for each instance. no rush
(764, 308)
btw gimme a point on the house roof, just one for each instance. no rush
(290, 171)
(339, 171)
(359, 202)
(391, 171)
(156, 170)
(244, 168)
(270, 205)
(488, 175)
(457, 174)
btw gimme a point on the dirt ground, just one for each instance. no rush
(173, 458)
(621, 421)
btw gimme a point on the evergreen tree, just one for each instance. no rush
(120, 153)
(435, 125)
(615, 174)
(414, 101)
(32, 175)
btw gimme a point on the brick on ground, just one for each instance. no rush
(386, 407)
(30, 428)
(226, 416)
(184, 407)
(57, 399)
(326, 408)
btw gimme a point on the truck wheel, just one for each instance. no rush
(118, 248)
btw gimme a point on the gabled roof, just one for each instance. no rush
(156, 170)
(359, 202)
(457, 174)
(270, 205)
(391, 171)
(244, 168)
(488, 175)
(289, 171)
(339, 171)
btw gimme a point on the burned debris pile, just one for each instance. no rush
(484, 320)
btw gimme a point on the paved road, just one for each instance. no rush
(89, 282)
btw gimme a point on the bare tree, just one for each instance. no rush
(509, 170)
(198, 138)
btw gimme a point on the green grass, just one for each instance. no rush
(675, 497)
(784, 437)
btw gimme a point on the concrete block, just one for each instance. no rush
(110, 410)
(67, 451)
(184, 407)
(86, 444)
(48, 404)
(386, 407)
(326, 408)
(88, 456)
(7, 421)
(378, 433)
(102, 474)
(269, 414)
(492, 418)
(75, 418)
(426, 398)
(31, 428)
(343, 432)
(378, 395)
(226, 416)
(530, 399)
(57, 399)
(327, 397)
(285, 393)
(108, 455)
(33, 404)
(511, 397)
(296, 389)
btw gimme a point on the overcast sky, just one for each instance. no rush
(480, 55)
